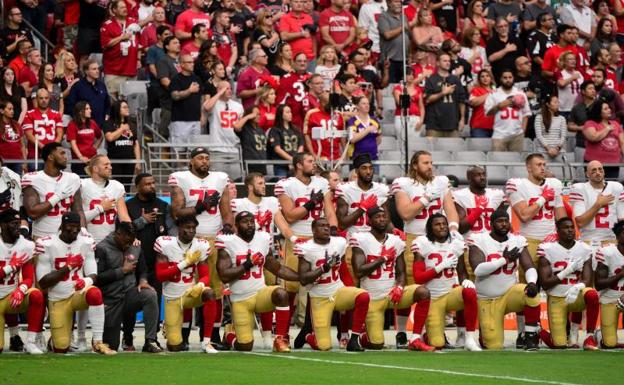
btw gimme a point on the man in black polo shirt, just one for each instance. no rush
(503, 48)
(444, 101)
(186, 94)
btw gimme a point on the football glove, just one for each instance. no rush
(265, 219)
(367, 203)
(196, 290)
(257, 259)
(389, 255)
(18, 295)
(548, 193)
(531, 290)
(553, 237)
(212, 200)
(18, 260)
(447, 263)
(395, 294)
(5, 197)
(481, 201)
(248, 264)
(200, 207)
(433, 191)
(468, 284)
(74, 261)
(511, 255)
(192, 257)
(329, 261)
(80, 284)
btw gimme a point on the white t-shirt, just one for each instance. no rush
(568, 94)
(508, 121)
(222, 137)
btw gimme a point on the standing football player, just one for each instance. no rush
(204, 194)
(494, 258)
(17, 275)
(319, 265)
(180, 259)
(537, 202)
(609, 281)
(242, 258)
(103, 198)
(50, 193)
(378, 263)
(66, 268)
(565, 272)
(438, 264)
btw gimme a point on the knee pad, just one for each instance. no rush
(94, 296)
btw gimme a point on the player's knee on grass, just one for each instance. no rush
(208, 294)
(421, 293)
(246, 347)
(175, 348)
(279, 297)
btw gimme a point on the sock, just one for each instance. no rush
(364, 341)
(282, 320)
(266, 320)
(532, 315)
(266, 334)
(82, 318)
(36, 312)
(462, 330)
(359, 312)
(576, 317)
(13, 331)
(460, 319)
(31, 337)
(292, 300)
(344, 324)
(415, 336)
(402, 316)
(592, 307)
(520, 322)
(230, 338)
(531, 328)
(209, 313)
(420, 316)
(470, 335)
(470, 312)
(95, 312)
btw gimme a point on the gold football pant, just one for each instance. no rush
(451, 301)
(215, 280)
(408, 256)
(243, 313)
(322, 309)
(174, 315)
(558, 311)
(5, 308)
(375, 318)
(62, 315)
(532, 245)
(292, 261)
(492, 313)
(609, 315)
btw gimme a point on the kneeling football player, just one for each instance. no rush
(378, 263)
(180, 259)
(241, 260)
(565, 272)
(494, 258)
(610, 282)
(17, 295)
(67, 269)
(319, 267)
(438, 264)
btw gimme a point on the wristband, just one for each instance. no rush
(88, 281)
(540, 201)
(453, 224)
(247, 265)
(181, 265)
(7, 270)
(580, 285)
(293, 239)
(23, 288)
(424, 201)
(531, 275)
(562, 274)
(54, 200)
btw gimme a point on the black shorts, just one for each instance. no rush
(88, 41)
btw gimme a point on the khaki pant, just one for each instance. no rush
(513, 143)
(113, 83)
(442, 134)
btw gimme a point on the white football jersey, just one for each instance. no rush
(266, 205)
(611, 257)
(173, 250)
(51, 253)
(353, 194)
(434, 253)
(327, 284)
(507, 121)
(543, 223)
(300, 195)
(583, 196)
(11, 180)
(194, 189)
(10, 282)
(222, 137)
(415, 191)
(503, 278)
(237, 249)
(466, 200)
(92, 194)
(559, 258)
(378, 283)
(45, 186)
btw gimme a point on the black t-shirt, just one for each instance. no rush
(448, 12)
(8, 37)
(92, 15)
(509, 60)
(289, 140)
(443, 114)
(189, 108)
(578, 115)
(123, 147)
(259, 35)
(253, 142)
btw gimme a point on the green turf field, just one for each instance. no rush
(389, 367)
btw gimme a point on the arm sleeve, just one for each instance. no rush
(423, 275)
(204, 274)
(90, 266)
(486, 268)
(28, 274)
(164, 271)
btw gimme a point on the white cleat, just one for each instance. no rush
(207, 347)
(267, 340)
(32, 348)
(460, 342)
(472, 345)
(40, 342)
(81, 346)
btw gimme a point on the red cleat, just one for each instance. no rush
(311, 340)
(590, 343)
(419, 345)
(547, 339)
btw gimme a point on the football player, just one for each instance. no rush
(378, 263)
(50, 193)
(303, 198)
(319, 264)
(205, 194)
(494, 258)
(17, 274)
(103, 198)
(242, 258)
(180, 259)
(610, 282)
(537, 202)
(67, 269)
(565, 272)
(438, 264)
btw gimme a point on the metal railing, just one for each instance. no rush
(49, 46)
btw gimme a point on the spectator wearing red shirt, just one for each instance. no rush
(337, 26)
(84, 136)
(120, 47)
(28, 76)
(321, 117)
(148, 35)
(567, 42)
(42, 125)
(298, 29)
(12, 146)
(248, 85)
(200, 35)
(19, 62)
(227, 49)
(416, 108)
(266, 106)
(481, 125)
(187, 19)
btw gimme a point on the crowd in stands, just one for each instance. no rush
(264, 74)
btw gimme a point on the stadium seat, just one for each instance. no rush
(130, 87)
(388, 103)
(479, 144)
(390, 172)
(528, 145)
(388, 129)
(388, 143)
(470, 156)
(441, 156)
(458, 171)
(504, 156)
(496, 175)
(448, 144)
(517, 172)
(391, 155)
(417, 143)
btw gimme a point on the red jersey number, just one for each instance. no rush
(62, 207)
(255, 271)
(448, 273)
(315, 213)
(507, 268)
(483, 222)
(333, 275)
(59, 263)
(201, 193)
(602, 218)
(227, 119)
(184, 276)
(545, 212)
(387, 267)
(560, 266)
(105, 217)
(434, 207)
